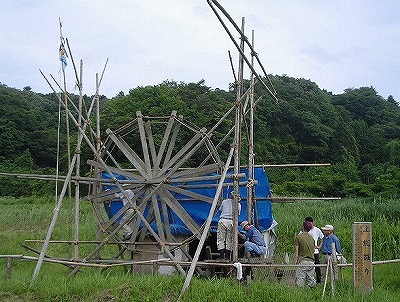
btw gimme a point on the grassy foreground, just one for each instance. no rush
(29, 218)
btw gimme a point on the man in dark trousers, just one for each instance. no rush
(327, 252)
(225, 228)
(316, 233)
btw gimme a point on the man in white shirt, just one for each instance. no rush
(127, 229)
(225, 228)
(317, 234)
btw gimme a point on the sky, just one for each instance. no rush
(336, 44)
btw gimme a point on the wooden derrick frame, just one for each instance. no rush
(151, 168)
(150, 173)
(147, 175)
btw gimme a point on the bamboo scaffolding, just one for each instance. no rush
(271, 90)
(61, 197)
(154, 173)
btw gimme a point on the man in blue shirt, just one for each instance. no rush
(328, 241)
(254, 240)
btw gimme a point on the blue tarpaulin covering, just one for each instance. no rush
(199, 210)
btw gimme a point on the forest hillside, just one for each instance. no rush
(357, 132)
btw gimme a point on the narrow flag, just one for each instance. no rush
(63, 57)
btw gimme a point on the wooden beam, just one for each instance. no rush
(131, 155)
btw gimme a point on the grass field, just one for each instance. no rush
(29, 218)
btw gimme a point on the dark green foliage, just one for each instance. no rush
(357, 132)
(28, 121)
(24, 164)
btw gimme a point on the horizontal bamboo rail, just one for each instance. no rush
(166, 261)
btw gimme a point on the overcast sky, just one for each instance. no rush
(338, 44)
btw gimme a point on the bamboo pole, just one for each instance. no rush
(294, 199)
(90, 180)
(271, 90)
(206, 227)
(62, 41)
(237, 148)
(77, 166)
(59, 201)
(233, 69)
(250, 185)
(326, 277)
(96, 185)
(53, 221)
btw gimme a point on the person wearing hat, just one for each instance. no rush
(326, 250)
(254, 242)
(225, 228)
(304, 256)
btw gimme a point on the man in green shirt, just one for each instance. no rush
(304, 256)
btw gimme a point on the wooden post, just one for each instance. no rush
(362, 256)
(9, 268)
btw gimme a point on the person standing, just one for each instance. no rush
(304, 256)
(126, 223)
(327, 252)
(316, 233)
(225, 228)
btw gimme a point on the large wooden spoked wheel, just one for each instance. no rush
(164, 161)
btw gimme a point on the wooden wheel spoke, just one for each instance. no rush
(152, 146)
(195, 171)
(131, 155)
(193, 195)
(180, 211)
(122, 172)
(145, 147)
(164, 141)
(184, 154)
(172, 143)
(157, 216)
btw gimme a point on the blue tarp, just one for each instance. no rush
(199, 210)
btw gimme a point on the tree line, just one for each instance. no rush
(357, 132)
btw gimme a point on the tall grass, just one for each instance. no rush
(384, 216)
(115, 285)
(29, 218)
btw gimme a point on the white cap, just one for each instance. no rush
(328, 227)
